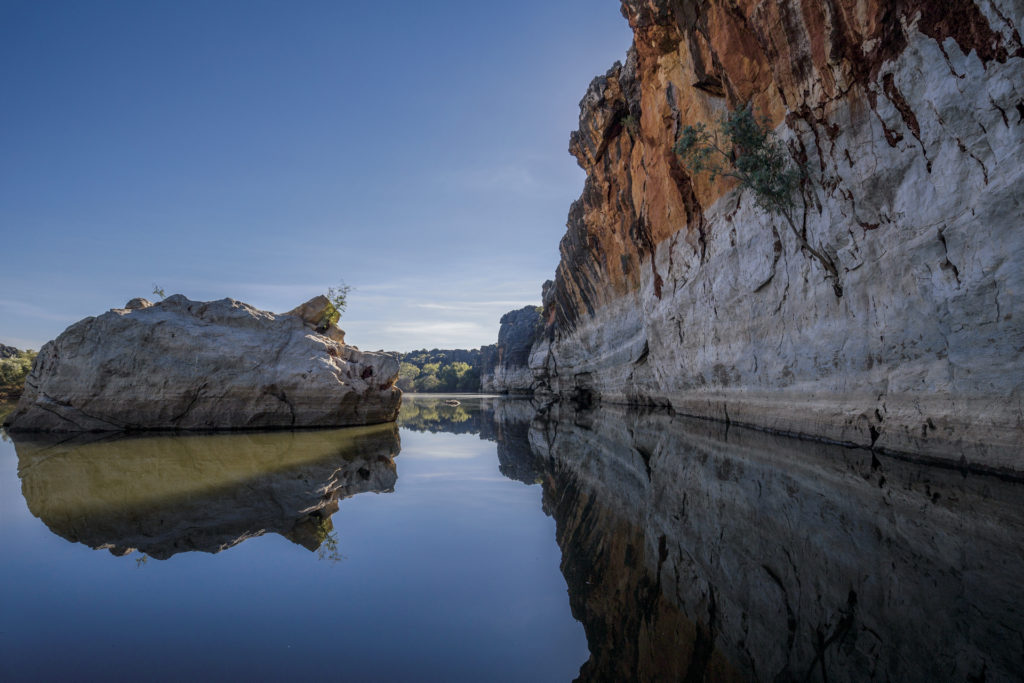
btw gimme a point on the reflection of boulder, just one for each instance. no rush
(695, 550)
(168, 494)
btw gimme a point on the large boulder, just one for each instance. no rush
(181, 364)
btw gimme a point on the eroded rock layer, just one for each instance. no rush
(181, 364)
(507, 369)
(674, 290)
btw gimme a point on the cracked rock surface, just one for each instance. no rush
(675, 290)
(182, 364)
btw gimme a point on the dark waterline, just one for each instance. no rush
(690, 550)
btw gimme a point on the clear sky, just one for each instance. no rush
(265, 150)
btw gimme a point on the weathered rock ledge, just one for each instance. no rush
(182, 364)
(507, 370)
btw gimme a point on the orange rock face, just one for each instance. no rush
(795, 61)
(673, 290)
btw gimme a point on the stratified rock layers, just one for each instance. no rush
(673, 290)
(182, 364)
(507, 370)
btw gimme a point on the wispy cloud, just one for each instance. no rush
(20, 308)
(434, 329)
(534, 176)
(464, 305)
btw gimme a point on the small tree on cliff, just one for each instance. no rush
(338, 296)
(745, 148)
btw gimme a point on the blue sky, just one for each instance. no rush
(267, 150)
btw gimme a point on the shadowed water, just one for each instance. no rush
(690, 551)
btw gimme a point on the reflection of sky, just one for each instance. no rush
(454, 576)
(417, 150)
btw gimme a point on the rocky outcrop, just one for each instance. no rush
(508, 371)
(8, 352)
(674, 290)
(162, 495)
(690, 553)
(181, 364)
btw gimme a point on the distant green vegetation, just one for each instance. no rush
(13, 371)
(439, 371)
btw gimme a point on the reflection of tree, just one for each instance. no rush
(435, 416)
(141, 560)
(328, 538)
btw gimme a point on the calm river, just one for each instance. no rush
(490, 542)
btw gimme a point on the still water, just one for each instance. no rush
(492, 541)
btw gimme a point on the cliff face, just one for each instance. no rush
(507, 368)
(674, 290)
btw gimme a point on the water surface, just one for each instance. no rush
(281, 555)
(499, 540)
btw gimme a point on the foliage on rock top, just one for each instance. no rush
(338, 297)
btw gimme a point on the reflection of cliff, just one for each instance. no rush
(691, 553)
(163, 495)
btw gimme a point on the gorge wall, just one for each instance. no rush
(506, 368)
(674, 290)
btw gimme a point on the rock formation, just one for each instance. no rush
(674, 290)
(181, 364)
(508, 371)
(164, 495)
(8, 352)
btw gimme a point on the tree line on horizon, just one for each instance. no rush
(442, 370)
(15, 365)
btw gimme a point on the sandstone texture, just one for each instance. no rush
(181, 364)
(507, 370)
(675, 290)
(163, 495)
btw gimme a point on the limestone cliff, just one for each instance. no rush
(674, 290)
(507, 370)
